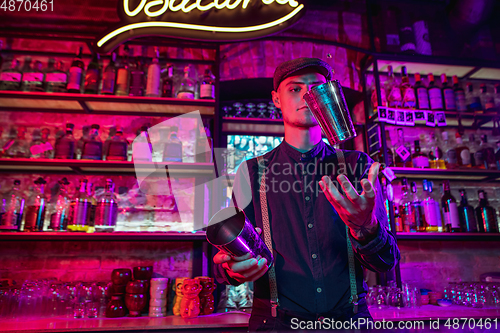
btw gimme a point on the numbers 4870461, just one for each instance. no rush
(471, 323)
(27, 5)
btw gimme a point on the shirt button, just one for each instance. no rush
(304, 155)
(310, 225)
(319, 290)
(308, 197)
(314, 256)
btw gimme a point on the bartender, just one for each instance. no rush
(311, 198)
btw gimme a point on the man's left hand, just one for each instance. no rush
(356, 210)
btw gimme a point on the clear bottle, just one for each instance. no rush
(56, 79)
(450, 209)
(460, 102)
(448, 94)
(436, 156)
(10, 78)
(407, 91)
(79, 209)
(204, 144)
(92, 76)
(173, 149)
(486, 156)
(79, 144)
(403, 152)
(187, 86)
(92, 209)
(487, 100)
(136, 78)
(207, 86)
(117, 147)
(109, 77)
(106, 212)
(389, 151)
(485, 214)
(466, 214)
(421, 94)
(65, 146)
(12, 217)
(393, 90)
(472, 99)
(463, 153)
(76, 73)
(473, 148)
(19, 147)
(167, 81)
(432, 212)
(123, 74)
(33, 78)
(59, 207)
(419, 159)
(34, 217)
(154, 77)
(418, 220)
(404, 206)
(450, 153)
(36, 148)
(92, 147)
(435, 94)
(142, 149)
(374, 97)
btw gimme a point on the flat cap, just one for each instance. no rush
(287, 68)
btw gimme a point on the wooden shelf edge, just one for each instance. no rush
(110, 236)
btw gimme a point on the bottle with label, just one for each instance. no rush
(59, 207)
(393, 90)
(187, 86)
(92, 209)
(448, 94)
(204, 144)
(450, 209)
(123, 74)
(173, 149)
(18, 147)
(117, 147)
(142, 149)
(435, 94)
(436, 156)
(106, 212)
(10, 78)
(460, 102)
(92, 76)
(403, 157)
(487, 100)
(421, 94)
(418, 220)
(472, 99)
(46, 145)
(109, 77)
(79, 209)
(432, 212)
(36, 144)
(13, 202)
(65, 146)
(486, 215)
(466, 214)
(137, 78)
(92, 147)
(76, 73)
(79, 144)
(167, 81)
(450, 153)
(419, 159)
(154, 77)
(487, 155)
(33, 78)
(207, 87)
(463, 153)
(407, 91)
(105, 145)
(34, 217)
(56, 79)
(404, 206)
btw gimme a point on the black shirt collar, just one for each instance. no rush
(297, 155)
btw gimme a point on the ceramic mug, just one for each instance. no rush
(143, 272)
(121, 276)
(160, 302)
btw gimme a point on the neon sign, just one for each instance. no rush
(203, 20)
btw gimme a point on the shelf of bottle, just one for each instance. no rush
(451, 236)
(103, 236)
(469, 174)
(102, 104)
(253, 126)
(20, 165)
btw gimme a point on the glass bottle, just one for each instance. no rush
(79, 209)
(473, 148)
(472, 99)
(487, 154)
(450, 209)
(173, 148)
(65, 146)
(76, 73)
(14, 209)
(92, 148)
(418, 219)
(109, 77)
(154, 77)
(47, 148)
(404, 207)
(59, 208)
(105, 145)
(432, 212)
(142, 148)
(167, 81)
(393, 90)
(123, 74)
(419, 159)
(79, 144)
(421, 94)
(117, 148)
(450, 153)
(435, 95)
(204, 144)
(398, 219)
(19, 148)
(207, 87)
(466, 214)
(33, 78)
(496, 96)
(487, 101)
(56, 79)
(463, 152)
(485, 214)
(389, 151)
(92, 76)
(407, 91)
(106, 212)
(460, 102)
(187, 86)
(136, 78)
(448, 94)
(34, 216)
(403, 152)
(10, 78)
(436, 156)
(374, 97)
(36, 148)
(93, 204)
(497, 155)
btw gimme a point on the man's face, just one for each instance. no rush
(289, 98)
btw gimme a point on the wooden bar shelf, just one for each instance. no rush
(103, 236)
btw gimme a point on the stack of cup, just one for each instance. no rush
(158, 301)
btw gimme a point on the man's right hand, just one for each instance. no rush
(244, 268)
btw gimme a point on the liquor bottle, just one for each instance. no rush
(485, 214)
(92, 76)
(173, 148)
(207, 87)
(204, 144)
(496, 96)
(450, 153)
(403, 152)
(92, 147)
(473, 148)
(136, 78)
(167, 81)
(106, 212)
(56, 79)
(35, 208)
(10, 78)
(33, 78)
(436, 156)
(407, 91)
(398, 219)
(472, 99)
(486, 156)
(36, 144)
(416, 209)
(105, 145)
(65, 146)
(19, 148)
(187, 86)
(463, 152)
(432, 212)
(393, 90)
(79, 144)
(12, 216)
(47, 148)
(123, 74)
(388, 194)
(460, 102)
(154, 77)
(450, 209)
(117, 148)
(435, 95)
(142, 149)
(389, 151)
(59, 207)
(419, 159)
(406, 34)
(466, 214)
(487, 101)
(448, 94)
(109, 77)
(92, 209)
(79, 209)
(404, 206)
(421, 94)
(76, 73)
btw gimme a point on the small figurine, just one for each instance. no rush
(206, 297)
(178, 295)
(190, 304)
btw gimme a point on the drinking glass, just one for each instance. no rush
(381, 298)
